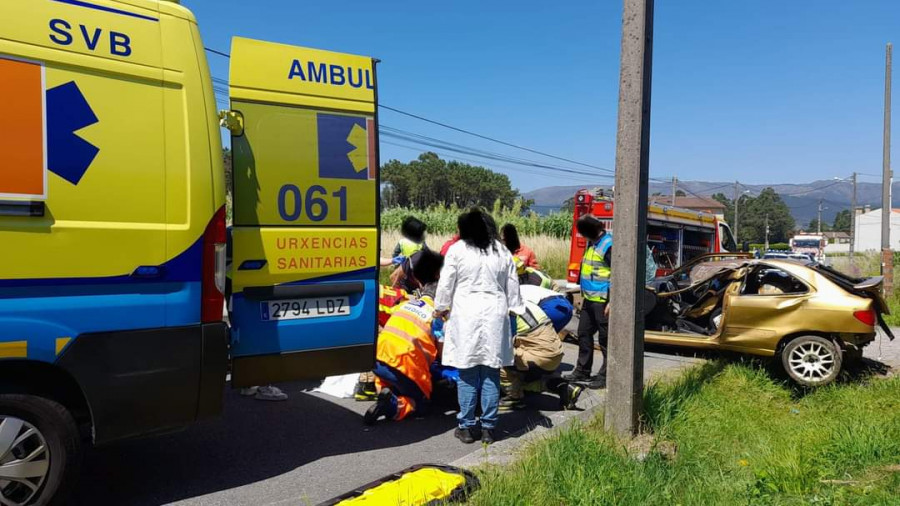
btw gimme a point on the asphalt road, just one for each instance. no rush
(305, 450)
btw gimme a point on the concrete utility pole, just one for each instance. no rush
(626, 327)
(674, 189)
(737, 196)
(767, 231)
(853, 218)
(887, 257)
(819, 219)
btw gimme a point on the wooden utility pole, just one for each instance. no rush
(887, 256)
(625, 374)
(737, 196)
(853, 219)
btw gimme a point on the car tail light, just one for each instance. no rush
(866, 316)
(212, 283)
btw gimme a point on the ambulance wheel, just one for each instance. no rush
(40, 451)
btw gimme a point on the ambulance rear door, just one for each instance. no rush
(305, 238)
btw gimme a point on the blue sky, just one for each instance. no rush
(759, 91)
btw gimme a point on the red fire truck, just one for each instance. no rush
(674, 235)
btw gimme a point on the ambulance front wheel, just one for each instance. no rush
(40, 450)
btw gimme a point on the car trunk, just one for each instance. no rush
(869, 288)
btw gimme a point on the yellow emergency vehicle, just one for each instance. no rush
(113, 227)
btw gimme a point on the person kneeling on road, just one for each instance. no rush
(537, 354)
(406, 356)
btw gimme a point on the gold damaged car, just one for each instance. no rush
(809, 317)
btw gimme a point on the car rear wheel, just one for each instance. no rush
(40, 449)
(812, 360)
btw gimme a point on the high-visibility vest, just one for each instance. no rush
(594, 270)
(406, 343)
(530, 275)
(535, 277)
(533, 318)
(407, 247)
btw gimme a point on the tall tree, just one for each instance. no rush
(842, 221)
(813, 226)
(429, 180)
(753, 212)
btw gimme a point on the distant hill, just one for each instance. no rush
(802, 199)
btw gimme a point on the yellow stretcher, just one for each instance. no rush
(423, 484)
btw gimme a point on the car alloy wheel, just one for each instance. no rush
(24, 461)
(812, 360)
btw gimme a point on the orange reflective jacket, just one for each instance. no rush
(406, 344)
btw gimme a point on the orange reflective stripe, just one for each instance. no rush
(406, 315)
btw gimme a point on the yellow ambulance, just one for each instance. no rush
(113, 227)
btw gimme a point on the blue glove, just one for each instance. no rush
(399, 259)
(512, 324)
(437, 329)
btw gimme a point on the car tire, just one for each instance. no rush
(39, 422)
(812, 361)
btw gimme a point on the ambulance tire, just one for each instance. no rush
(56, 425)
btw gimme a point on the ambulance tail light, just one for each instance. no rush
(212, 290)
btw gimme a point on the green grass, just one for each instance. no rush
(741, 438)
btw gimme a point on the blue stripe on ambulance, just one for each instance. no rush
(40, 311)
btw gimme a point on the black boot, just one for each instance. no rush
(464, 435)
(568, 395)
(597, 382)
(577, 376)
(385, 405)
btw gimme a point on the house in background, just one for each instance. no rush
(868, 231)
(837, 237)
(837, 242)
(704, 204)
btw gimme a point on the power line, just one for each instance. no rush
(425, 140)
(215, 51)
(498, 141)
(451, 156)
(813, 189)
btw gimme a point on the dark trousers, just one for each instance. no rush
(592, 321)
(401, 385)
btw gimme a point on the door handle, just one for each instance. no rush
(147, 271)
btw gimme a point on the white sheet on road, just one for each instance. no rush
(339, 386)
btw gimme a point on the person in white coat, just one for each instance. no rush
(479, 288)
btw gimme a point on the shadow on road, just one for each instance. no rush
(253, 441)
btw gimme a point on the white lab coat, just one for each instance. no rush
(480, 289)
